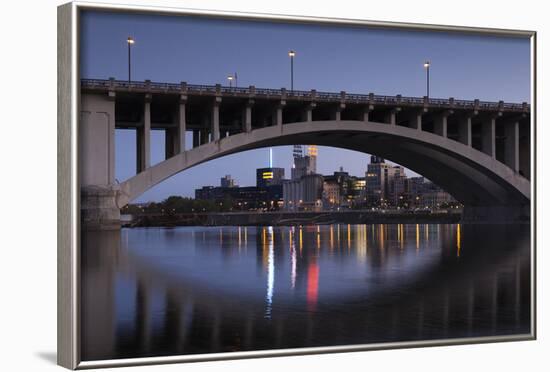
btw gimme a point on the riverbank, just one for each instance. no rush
(281, 218)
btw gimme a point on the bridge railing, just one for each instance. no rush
(111, 84)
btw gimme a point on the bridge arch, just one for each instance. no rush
(472, 177)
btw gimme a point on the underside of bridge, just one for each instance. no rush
(481, 158)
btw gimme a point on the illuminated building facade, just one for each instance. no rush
(269, 176)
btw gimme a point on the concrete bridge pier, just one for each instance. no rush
(99, 191)
(99, 209)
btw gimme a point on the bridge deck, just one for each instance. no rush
(104, 85)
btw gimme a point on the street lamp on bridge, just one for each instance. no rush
(291, 54)
(130, 41)
(427, 67)
(231, 78)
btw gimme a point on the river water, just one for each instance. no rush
(189, 290)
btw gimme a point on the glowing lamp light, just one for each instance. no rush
(130, 40)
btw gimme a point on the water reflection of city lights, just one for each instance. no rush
(318, 238)
(417, 236)
(331, 237)
(361, 242)
(312, 286)
(292, 261)
(300, 238)
(402, 241)
(270, 273)
(239, 234)
(349, 237)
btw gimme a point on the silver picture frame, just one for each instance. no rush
(68, 194)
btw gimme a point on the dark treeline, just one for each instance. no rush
(179, 204)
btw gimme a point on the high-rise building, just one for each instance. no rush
(397, 195)
(303, 164)
(304, 191)
(416, 188)
(376, 159)
(269, 176)
(227, 181)
(378, 179)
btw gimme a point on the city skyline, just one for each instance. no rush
(382, 185)
(391, 62)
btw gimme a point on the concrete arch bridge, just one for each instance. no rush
(477, 151)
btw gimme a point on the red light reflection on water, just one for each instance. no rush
(312, 286)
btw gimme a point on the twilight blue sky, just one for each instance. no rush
(329, 58)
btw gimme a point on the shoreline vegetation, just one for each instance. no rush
(285, 218)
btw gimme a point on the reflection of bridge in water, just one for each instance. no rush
(477, 151)
(477, 284)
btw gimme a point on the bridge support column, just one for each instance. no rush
(415, 121)
(338, 111)
(511, 145)
(465, 130)
(392, 115)
(279, 114)
(215, 122)
(182, 124)
(247, 116)
(488, 134)
(440, 123)
(97, 140)
(143, 138)
(366, 113)
(98, 207)
(308, 112)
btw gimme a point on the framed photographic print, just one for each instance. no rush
(235, 185)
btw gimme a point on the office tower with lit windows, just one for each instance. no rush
(378, 180)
